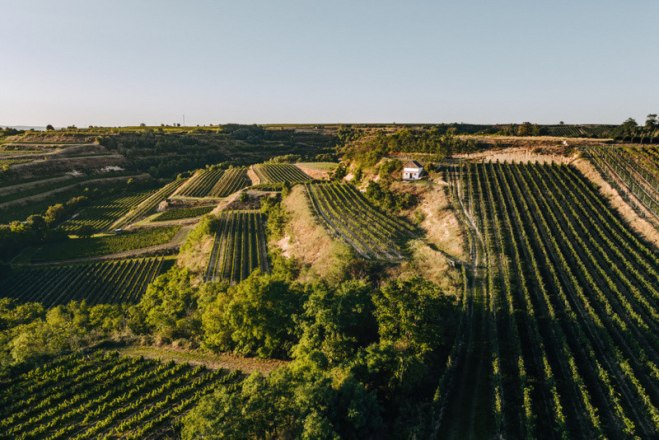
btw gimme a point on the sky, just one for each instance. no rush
(121, 62)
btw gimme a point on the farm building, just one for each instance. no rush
(412, 170)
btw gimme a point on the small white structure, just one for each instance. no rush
(412, 170)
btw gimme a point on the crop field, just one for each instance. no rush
(100, 215)
(232, 180)
(181, 213)
(148, 205)
(239, 247)
(347, 214)
(89, 247)
(26, 189)
(104, 395)
(562, 303)
(635, 168)
(216, 183)
(201, 183)
(119, 281)
(280, 172)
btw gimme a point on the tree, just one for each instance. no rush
(651, 125)
(629, 128)
(49, 127)
(169, 306)
(255, 317)
(413, 312)
(286, 404)
(337, 321)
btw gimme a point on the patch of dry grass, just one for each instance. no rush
(196, 258)
(637, 223)
(429, 264)
(439, 221)
(308, 242)
(209, 360)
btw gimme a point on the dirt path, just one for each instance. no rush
(45, 194)
(209, 360)
(256, 180)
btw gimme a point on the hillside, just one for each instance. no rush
(510, 292)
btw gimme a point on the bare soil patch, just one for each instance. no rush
(253, 176)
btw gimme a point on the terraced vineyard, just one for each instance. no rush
(215, 183)
(119, 281)
(239, 247)
(100, 215)
(232, 180)
(180, 213)
(201, 183)
(103, 395)
(634, 168)
(88, 247)
(148, 205)
(348, 215)
(562, 301)
(280, 172)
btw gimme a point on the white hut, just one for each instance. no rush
(412, 170)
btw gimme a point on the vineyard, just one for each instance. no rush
(562, 301)
(216, 183)
(347, 214)
(148, 205)
(89, 247)
(200, 184)
(121, 281)
(280, 172)
(635, 168)
(180, 213)
(100, 215)
(104, 395)
(239, 247)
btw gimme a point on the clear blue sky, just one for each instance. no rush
(124, 62)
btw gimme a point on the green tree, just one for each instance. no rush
(169, 306)
(284, 405)
(412, 312)
(255, 317)
(337, 321)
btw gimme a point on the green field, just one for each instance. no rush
(118, 281)
(89, 247)
(239, 247)
(98, 216)
(181, 213)
(104, 395)
(563, 308)
(280, 172)
(348, 215)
